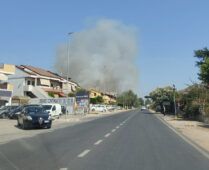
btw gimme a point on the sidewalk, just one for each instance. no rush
(197, 132)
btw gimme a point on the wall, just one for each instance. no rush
(18, 82)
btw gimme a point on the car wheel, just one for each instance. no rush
(3, 115)
(18, 123)
(49, 126)
(24, 125)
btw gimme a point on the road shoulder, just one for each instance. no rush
(192, 132)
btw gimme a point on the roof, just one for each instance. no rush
(39, 71)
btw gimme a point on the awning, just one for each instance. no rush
(45, 82)
(3, 77)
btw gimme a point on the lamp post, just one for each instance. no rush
(68, 54)
(68, 63)
(174, 99)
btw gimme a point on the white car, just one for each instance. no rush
(54, 109)
(143, 108)
(99, 108)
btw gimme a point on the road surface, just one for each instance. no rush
(131, 140)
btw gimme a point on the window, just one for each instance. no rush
(28, 82)
(33, 83)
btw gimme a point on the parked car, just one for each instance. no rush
(4, 112)
(99, 108)
(54, 109)
(34, 116)
(14, 113)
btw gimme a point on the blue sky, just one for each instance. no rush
(168, 33)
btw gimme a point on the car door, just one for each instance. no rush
(54, 111)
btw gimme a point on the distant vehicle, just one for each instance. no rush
(34, 116)
(143, 108)
(111, 107)
(4, 111)
(99, 108)
(54, 109)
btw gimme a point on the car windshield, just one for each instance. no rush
(47, 107)
(35, 110)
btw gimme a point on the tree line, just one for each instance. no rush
(191, 102)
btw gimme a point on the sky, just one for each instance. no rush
(168, 32)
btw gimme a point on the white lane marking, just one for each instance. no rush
(121, 124)
(98, 142)
(107, 135)
(85, 152)
(117, 127)
(63, 169)
(113, 130)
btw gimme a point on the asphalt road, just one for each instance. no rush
(132, 140)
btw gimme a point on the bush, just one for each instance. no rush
(51, 94)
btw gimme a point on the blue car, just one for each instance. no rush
(34, 116)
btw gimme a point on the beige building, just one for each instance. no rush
(6, 89)
(107, 97)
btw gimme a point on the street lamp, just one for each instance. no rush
(68, 54)
(174, 99)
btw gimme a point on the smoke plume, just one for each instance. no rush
(102, 56)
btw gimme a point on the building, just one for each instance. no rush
(6, 88)
(108, 98)
(36, 82)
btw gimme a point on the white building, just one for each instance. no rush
(39, 83)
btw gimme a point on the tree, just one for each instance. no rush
(203, 64)
(128, 99)
(160, 96)
(96, 100)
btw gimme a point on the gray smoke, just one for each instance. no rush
(102, 56)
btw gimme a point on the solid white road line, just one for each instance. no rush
(85, 152)
(113, 130)
(98, 142)
(205, 153)
(107, 135)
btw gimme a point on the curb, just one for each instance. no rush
(185, 138)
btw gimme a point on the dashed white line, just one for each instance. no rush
(98, 142)
(113, 130)
(107, 135)
(85, 152)
(117, 127)
(63, 169)
(121, 124)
